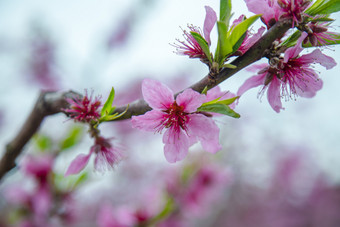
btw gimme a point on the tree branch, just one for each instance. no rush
(255, 53)
(50, 103)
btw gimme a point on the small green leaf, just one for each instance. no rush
(321, 7)
(239, 30)
(81, 179)
(223, 46)
(72, 138)
(106, 110)
(205, 90)
(43, 142)
(219, 108)
(112, 116)
(228, 101)
(225, 10)
(218, 101)
(203, 44)
(291, 40)
(229, 66)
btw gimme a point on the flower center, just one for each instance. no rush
(176, 117)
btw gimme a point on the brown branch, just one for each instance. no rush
(48, 103)
(255, 53)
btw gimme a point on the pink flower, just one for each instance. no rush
(183, 125)
(273, 10)
(84, 109)
(292, 76)
(216, 93)
(318, 35)
(106, 157)
(191, 46)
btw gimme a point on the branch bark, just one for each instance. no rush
(50, 103)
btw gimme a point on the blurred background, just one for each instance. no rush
(274, 169)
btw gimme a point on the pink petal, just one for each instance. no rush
(257, 67)
(176, 145)
(190, 100)
(252, 82)
(198, 126)
(307, 88)
(294, 51)
(157, 95)
(318, 57)
(273, 94)
(149, 121)
(209, 22)
(264, 7)
(78, 164)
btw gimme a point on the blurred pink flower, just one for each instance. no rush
(292, 76)
(109, 217)
(84, 109)
(107, 156)
(183, 126)
(191, 46)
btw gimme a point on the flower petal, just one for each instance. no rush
(190, 100)
(209, 22)
(273, 94)
(78, 164)
(308, 87)
(156, 94)
(318, 57)
(252, 82)
(294, 51)
(207, 132)
(148, 121)
(176, 145)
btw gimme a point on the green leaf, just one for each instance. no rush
(81, 179)
(291, 40)
(112, 116)
(225, 11)
(324, 7)
(239, 30)
(229, 66)
(205, 90)
(72, 138)
(218, 101)
(219, 108)
(223, 46)
(107, 108)
(203, 44)
(43, 142)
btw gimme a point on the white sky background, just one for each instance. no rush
(79, 26)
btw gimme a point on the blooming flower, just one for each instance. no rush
(291, 76)
(191, 47)
(106, 157)
(184, 126)
(273, 10)
(84, 109)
